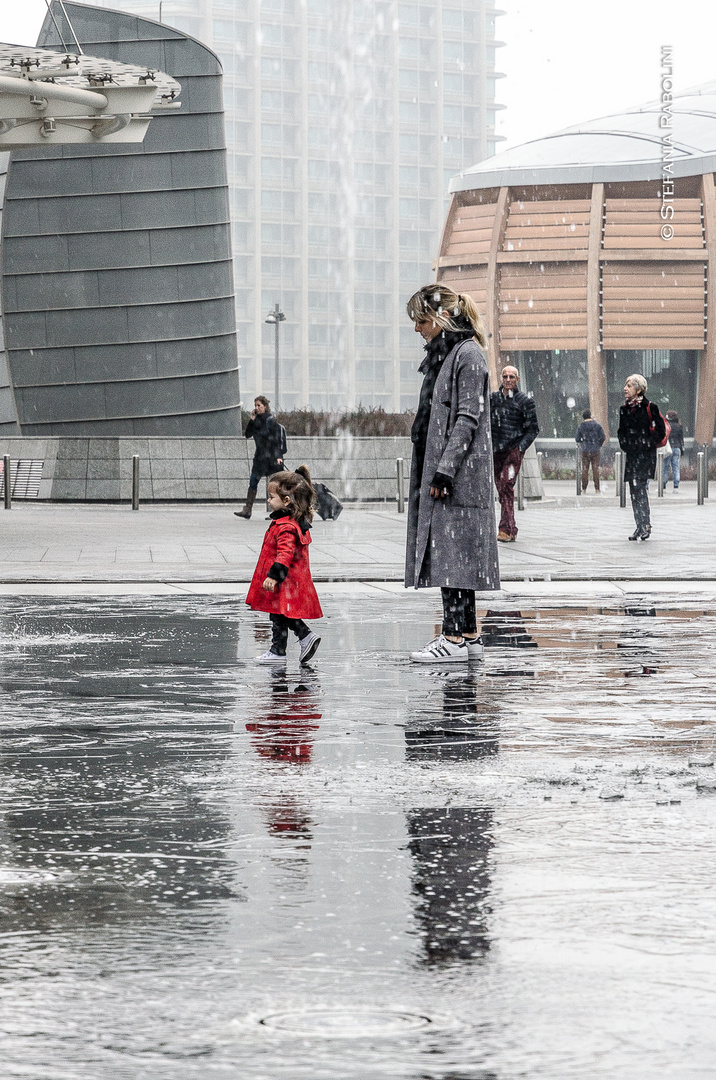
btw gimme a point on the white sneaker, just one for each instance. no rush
(270, 658)
(308, 648)
(440, 650)
(475, 648)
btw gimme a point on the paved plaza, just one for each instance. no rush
(562, 539)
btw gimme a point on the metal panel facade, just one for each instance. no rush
(117, 278)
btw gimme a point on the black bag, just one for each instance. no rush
(327, 505)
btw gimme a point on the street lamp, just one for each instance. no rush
(276, 317)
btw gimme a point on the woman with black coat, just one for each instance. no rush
(641, 429)
(267, 434)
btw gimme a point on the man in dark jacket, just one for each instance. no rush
(641, 429)
(590, 438)
(267, 434)
(514, 428)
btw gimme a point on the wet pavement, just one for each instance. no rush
(366, 868)
(561, 539)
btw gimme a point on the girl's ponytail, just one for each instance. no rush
(303, 471)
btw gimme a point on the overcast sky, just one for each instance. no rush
(564, 61)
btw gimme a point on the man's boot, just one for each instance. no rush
(246, 512)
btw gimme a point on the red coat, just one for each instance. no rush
(285, 542)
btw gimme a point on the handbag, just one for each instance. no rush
(652, 425)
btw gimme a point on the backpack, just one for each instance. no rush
(284, 444)
(652, 425)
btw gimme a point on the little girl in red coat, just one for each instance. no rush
(282, 583)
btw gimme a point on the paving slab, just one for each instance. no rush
(561, 538)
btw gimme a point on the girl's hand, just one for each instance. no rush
(269, 584)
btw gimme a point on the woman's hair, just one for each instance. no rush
(439, 304)
(298, 489)
(264, 401)
(639, 382)
(673, 416)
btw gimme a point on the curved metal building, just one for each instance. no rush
(117, 282)
(592, 253)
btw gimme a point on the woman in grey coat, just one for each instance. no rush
(452, 542)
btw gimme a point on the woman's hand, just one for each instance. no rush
(269, 584)
(441, 485)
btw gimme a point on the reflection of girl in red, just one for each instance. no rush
(285, 735)
(282, 583)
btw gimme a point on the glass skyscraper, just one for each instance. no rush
(344, 122)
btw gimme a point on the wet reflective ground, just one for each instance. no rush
(367, 869)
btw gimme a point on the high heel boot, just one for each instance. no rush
(246, 512)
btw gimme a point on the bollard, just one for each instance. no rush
(540, 455)
(520, 491)
(617, 473)
(400, 476)
(6, 482)
(622, 481)
(707, 451)
(135, 481)
(660, 472)
(700, 458)
(578, 471)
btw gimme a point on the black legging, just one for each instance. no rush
(640, 502)
(459, 611)
(281, 625)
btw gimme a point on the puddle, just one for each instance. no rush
(211, 868)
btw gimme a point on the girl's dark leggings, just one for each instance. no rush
(281, 625)
(459, 611)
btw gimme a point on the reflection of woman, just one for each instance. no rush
(676, 442)
(451, 540)
(641, 429)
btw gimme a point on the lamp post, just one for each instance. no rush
(276, 317)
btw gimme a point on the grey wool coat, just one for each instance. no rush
(452, 542)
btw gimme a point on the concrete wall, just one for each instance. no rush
(205, 469)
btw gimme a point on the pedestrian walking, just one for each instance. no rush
(590, 439)
(282, 584)
(674, 449)
(514, 428)
(641, 430)
(270, 440)
(451, 523)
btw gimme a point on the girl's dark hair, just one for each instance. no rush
(264, 401)
(673, 415)
(298, 489)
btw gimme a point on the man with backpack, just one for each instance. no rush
(642, 429)
(270, 439)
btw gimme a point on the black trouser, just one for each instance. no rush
(281, 625)
(459, 611)
(640, 502)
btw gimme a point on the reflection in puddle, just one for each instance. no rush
(451, 880)
(519, 854)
